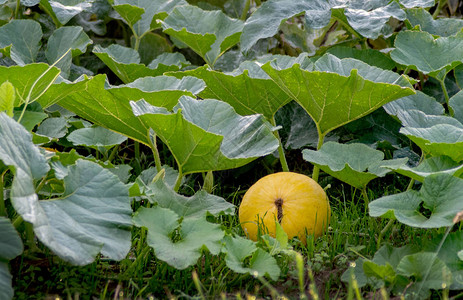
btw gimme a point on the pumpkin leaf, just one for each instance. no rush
(420, 101)
(419, 265)
(338, 91)
(422, 52)
(64, 10)
(195, 206)
(355, 164)
(434, 206)
(370, 56)
(125, 62)
(260, 264)
(456, 105)
(440, 27)
(369, 19)
(7, 98)
(208, 33)
(429, 166)
(109, 106)
(63, 39)
(53, 128)
(245, 92)
(417, 3)
(141, 23)
(29, 165)
(10, 247)
(435, 135)
(96, 137)
(19, 40)
(194, 236)
(208, 135)
(85, 220)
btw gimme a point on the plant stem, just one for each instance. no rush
(316, 170)
(281, 151)
(383, 232)
(439, 8)
(365, 196)
(258, 3)
(113, 153)
(154, 148)
(16, 11)
(444, 90)
(17, 222)
(244, 14)
(178, 182)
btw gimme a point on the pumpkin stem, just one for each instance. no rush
(279, 205)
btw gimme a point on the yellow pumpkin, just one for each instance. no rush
(296, 201)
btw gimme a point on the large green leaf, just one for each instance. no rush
(386, 255)
(367, 18)
(208, 33)
(427, 270)
(24, 79)
(370, 56)
(429, 166)
(194, 236)
(434, 206)
(63, 39)
(440, 27)
(247, 93)
(96, 137)
(64, 10)
(24, 37)
(244, 257)
(356, 164)
(10, 242)
(125, 62)
(208, 135)
(419, 101)
(7, 98)
(6, 288)
(337, 91)
(29, 164)
(92, 216)
(108, 106)
(435, 135)
(456, 105)
(187, 207)
(130, 10)
(421, 51)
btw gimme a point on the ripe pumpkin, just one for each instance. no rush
(296, 201)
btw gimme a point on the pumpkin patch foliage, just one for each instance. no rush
(212, 149)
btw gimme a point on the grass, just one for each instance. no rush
(352, 234)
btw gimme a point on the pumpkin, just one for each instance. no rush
(294, 200)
